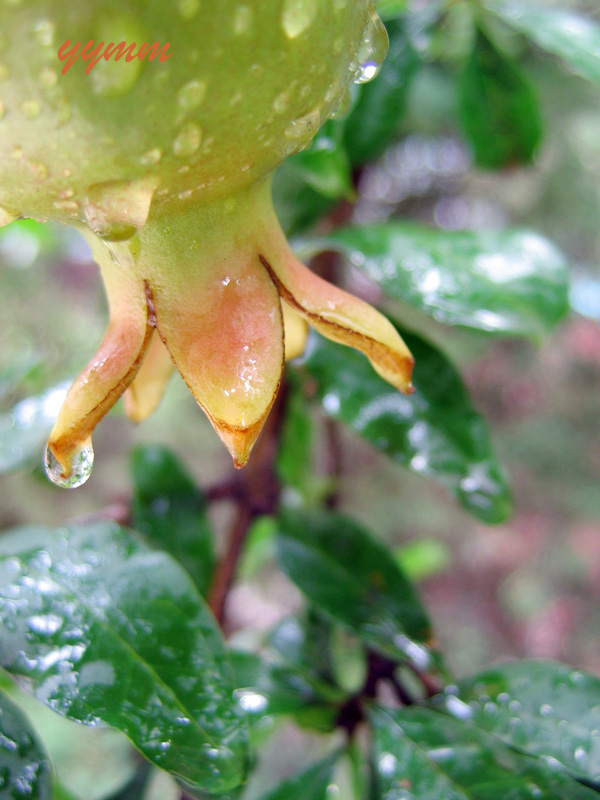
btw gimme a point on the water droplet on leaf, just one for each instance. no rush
(81, 468)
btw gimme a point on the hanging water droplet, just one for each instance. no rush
(188, 140)
(297, 16)
(191, 95)
(242, 20)
(343, 106)
(6, 216)
(303, 129)
(372, 50)
(116, 209)
(81, 468)
(188, 8)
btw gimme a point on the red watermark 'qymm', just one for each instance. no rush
(93, 54)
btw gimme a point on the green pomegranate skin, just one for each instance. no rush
(248, 83)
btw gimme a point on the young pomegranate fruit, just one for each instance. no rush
(162, 159)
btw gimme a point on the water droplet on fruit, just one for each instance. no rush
(48, 78)
(188, 140)
(152, 156)
(81, 468)
(281, 103)
(44, 32)
(39, 170)
(188, 8)
(6, 216)
(116, 209)
(372, 50)
(191, 95)
(242, 20)
(303, 129)
(112, 78)
(30, 108)
(66, 205)
(298, 16)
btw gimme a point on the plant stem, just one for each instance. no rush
(255, 491)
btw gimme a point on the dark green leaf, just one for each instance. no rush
(511, 283)
(325, 165)
(107, 631)
(309, 784)
(388, 9)
(25, 772)
(265, 687)
(298, 205)
(24, 430)
(434, 432)
(306, 642)
(419, 756)
(294, 456)
(539, 707)
(374, 121)
(354, 578)
(171, 512)
(498, 108)
(573, 37)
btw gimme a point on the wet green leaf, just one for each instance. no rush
(435, 432)
(375, 119)
(267, 687)
(511, 283)
(299, 207)
(498, 108)
(419, 755)
(25, 771)
(541, 708)
(107, 631)
(325, 165)
(171, 511)
(309, 784)
(573, 37)
(354, 578)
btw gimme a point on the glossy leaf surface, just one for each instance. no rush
(25, 772)
(107, 631)
(542, 708)
(266, 687)
(354, 578)
(511, 283)
(573, 37)
(498, 108)
(171, 512)
(435, 432)
(419, 756)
